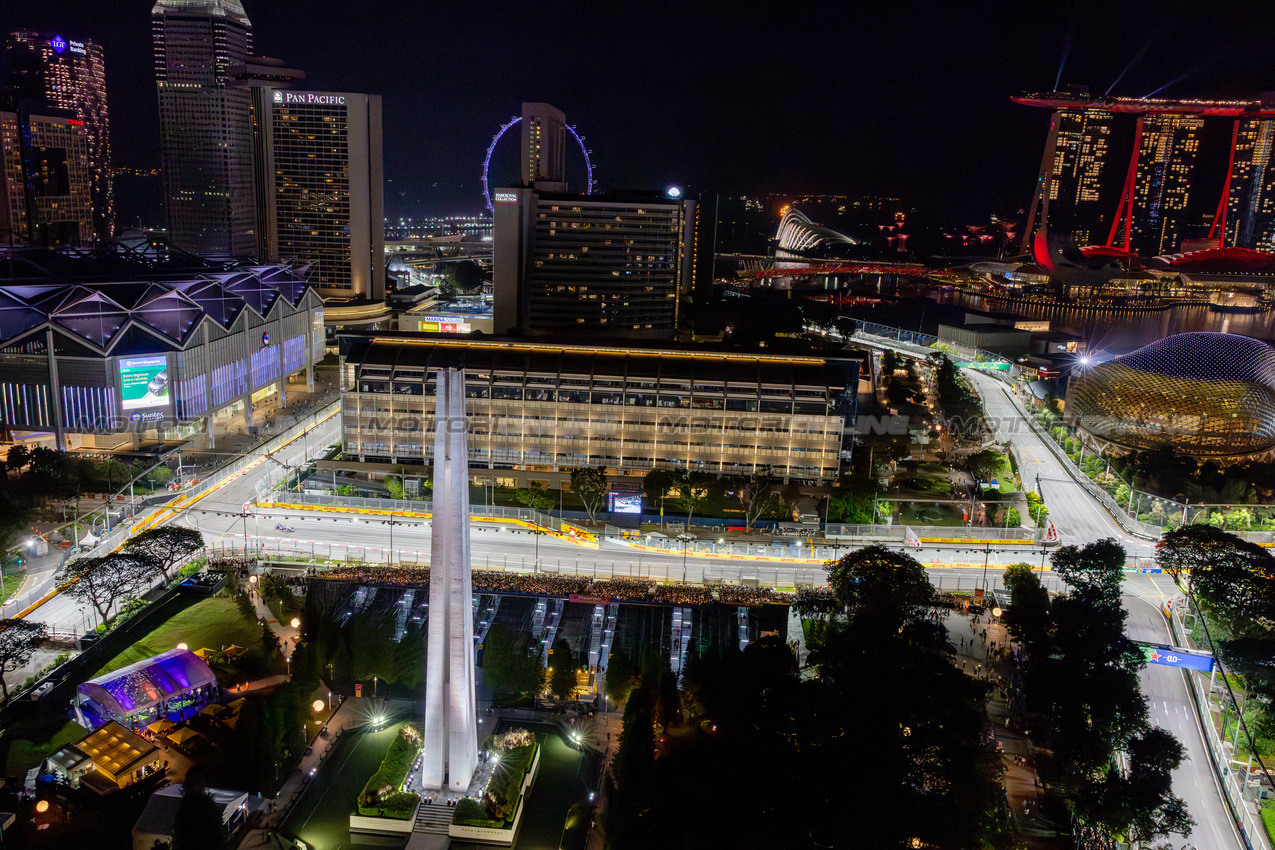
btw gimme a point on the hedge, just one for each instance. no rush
(391, 774)
(506, 783)
(470, 812)
(400, 806)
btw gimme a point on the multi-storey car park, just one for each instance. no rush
(537, 407)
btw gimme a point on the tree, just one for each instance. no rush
(467, 276)
(621, 678)
(562, 666)
(17, 457)
(885, 588)
(757, 494)
(1094, 571)
(657, 484)
(590, 484)
(18, 642)
(692, 492)
(167, 546)
(1233, 578)
(535, 496)
(197, 825)
(1140, 806)
(105, 581)
(394, 486)
(1028, 614)
(983, 464)
(508, 667)
(1008, 518)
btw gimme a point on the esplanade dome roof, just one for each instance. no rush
(1207, 356)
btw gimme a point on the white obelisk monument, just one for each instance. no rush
(451, 730)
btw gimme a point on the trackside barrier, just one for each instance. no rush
(158, 515)
(1243, 812)
(320, 557)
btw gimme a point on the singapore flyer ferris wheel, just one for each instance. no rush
(588, 163)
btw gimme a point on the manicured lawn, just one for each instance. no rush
(26, 742)
(1005, 477)
(211, 623)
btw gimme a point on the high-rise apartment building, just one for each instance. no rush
(204, 124)
(70, 75)
(44, 180)
(320, 186)
(595, 265)
(544, 147)
(1168, 145)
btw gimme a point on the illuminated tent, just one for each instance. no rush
(151, 684)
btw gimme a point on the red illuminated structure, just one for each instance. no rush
(1157, 181)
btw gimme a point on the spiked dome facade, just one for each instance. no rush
(1199, 394)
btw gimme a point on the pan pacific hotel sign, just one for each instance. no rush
(308, 97)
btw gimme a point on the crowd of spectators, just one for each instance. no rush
(543, 584)
(815, 602)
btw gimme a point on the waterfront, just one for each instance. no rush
(1108, 332)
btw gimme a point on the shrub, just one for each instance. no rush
(505, 787)
(469, 812)
(400, 805)
(389, 777)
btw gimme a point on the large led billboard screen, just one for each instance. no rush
(144, 382)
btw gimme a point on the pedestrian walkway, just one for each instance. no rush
(984, 651)
(346, 716)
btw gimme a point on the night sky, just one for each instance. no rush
(905, 99)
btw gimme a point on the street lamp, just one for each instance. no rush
(538, 532)
(684, 539)
(391, 522)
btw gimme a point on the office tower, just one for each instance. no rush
(204, 124)
(1250, 202)
(1168, 145)
(70, 75)
(44, 180)
(450, 745)
(260, 75)
(317, 166)
(544, 147)
(595, 265)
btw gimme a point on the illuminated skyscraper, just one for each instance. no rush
(204, 124)
(52, 204)
(320, 185)
(1168, 145)
(1075, 186)
(594, 265)
(1250, 203)
(70, 75)
(544, 147)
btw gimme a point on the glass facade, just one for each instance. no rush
(204, 124)
(1200, 394)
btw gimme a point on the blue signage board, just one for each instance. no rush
(1171, 657)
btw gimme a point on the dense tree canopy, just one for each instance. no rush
(878, 584)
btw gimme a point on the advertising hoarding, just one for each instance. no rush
(144, 382)
(1172, 657)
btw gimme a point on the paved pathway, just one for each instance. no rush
(346, 716)
(982, 644)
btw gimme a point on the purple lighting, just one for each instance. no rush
(58, 43)
(588, 164)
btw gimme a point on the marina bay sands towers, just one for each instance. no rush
(1156, 204)
(451, 730)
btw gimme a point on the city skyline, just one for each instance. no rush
(876, 87)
